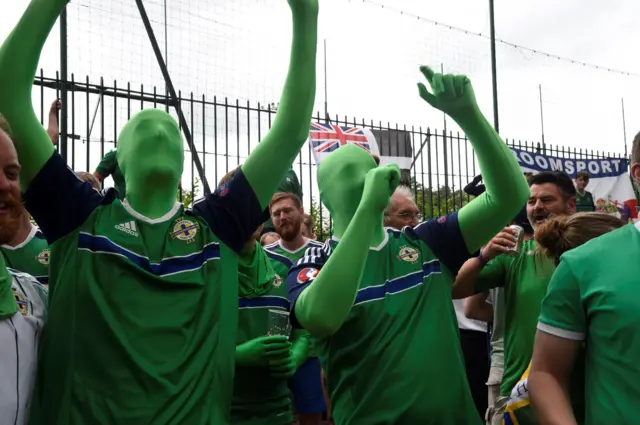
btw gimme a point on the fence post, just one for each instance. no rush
(63, 87)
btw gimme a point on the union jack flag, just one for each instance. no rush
(326, 138)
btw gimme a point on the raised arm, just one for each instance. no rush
(506, 189)
(485, 271)
(19, 56)
(53, 129)
(268, 163)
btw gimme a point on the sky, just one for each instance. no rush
(239, 49)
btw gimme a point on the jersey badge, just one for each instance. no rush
(223, 190)
(43, 257)
(442, 219)
(307, 275)
(408, 254)
(185, 230)
(277, 280)
(23, 305)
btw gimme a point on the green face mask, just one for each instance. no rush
(151, 157)
(341, 182)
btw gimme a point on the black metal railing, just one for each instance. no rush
(224, 133)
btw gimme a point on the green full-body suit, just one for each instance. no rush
(134, 335)
(377, 302)
(264, 362)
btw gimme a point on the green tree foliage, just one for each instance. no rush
(321, 227)
(188, 196)
(438, 202)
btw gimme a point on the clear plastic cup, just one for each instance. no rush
(279, 323)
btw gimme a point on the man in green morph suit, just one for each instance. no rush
(143, 301)
(377, 302)
(264, 362)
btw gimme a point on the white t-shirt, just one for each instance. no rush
(20, 336)
(466, 323)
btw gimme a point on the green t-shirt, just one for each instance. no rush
(290, 184)
(30, 257)
(108, 166)
(594, 297)
(585, 202)
(525, 279)
(259, 398)
(397, 358)
(143, 312)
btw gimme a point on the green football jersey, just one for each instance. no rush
(143, 312)
(283, 259)
(397, 358)
(30, 257)
(525, 279)
(593, 297)
(259, 398)
(585, 202)
(108, 166)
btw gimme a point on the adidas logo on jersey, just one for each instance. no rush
(128, 227)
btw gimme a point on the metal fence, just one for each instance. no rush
(224, 133)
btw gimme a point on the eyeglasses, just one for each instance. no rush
(409, 216)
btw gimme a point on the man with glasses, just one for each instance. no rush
(402, 210)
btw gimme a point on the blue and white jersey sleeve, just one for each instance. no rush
(302, 275)
(233, 212)
(444, 238)
(60, 202)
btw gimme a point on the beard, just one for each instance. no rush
(288, 230)
(10, 222)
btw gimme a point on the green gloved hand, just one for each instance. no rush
(452, 94)
(283, 366)
(258, 351)
(379, 184)
(286, 366)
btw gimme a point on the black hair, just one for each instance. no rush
(559, 178)
(584, 174)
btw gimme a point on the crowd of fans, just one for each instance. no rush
(121, 306)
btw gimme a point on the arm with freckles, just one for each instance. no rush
(271, 159)
(19, 57)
